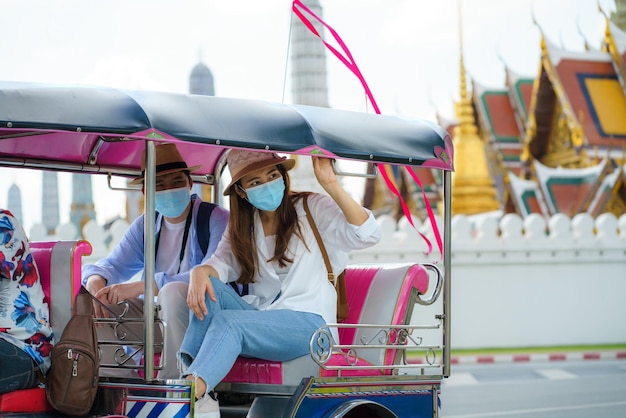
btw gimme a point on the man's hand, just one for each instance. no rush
(111, 295)
(94, 284)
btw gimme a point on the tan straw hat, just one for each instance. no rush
(168, 160)
(241, 162)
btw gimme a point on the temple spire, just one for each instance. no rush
(82, 209)
(473, 190)
(308, 61)
(309, 85)
(50, 201)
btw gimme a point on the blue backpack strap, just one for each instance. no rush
(203, 229)
(203, 233)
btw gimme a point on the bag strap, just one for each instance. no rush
(82, 308)
(202, 225)
(320, 243)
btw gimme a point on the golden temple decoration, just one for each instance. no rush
(473, 190)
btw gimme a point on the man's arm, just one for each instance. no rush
(124, 261)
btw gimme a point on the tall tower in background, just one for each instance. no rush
(201, 82)
(309, 84)
(308, 61)
(14, 202)
(50, 201)
(82, 209)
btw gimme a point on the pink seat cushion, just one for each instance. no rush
(252, 370)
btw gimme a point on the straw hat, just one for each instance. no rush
(168, 160)
(241, 162)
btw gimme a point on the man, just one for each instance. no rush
(178, 249)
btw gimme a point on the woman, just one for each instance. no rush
(270, 247)
(25, 334)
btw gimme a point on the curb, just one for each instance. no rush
(539, 357)
(528, 358)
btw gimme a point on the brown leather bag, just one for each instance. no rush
(72, 381)
(340, 283)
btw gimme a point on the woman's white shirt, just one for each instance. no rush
(305, 286)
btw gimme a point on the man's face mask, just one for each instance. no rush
(172, 202)
(267, 196)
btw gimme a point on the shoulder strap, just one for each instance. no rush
(320, 243)
(202, 225)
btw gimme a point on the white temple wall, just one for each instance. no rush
(515, 282)
(523, 283)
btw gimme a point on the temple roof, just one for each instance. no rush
(567, 190)
(497, 116)
(520, 93)
(526, 196)
(619, 36)
(540, 131)
(592, 90)
(604, 193)
(502, 114)
(615, 44)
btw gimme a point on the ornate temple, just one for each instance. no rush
(555, 143)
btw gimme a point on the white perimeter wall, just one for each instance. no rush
(521, 283)
(515, 282)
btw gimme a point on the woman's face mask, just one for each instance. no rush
(267, 196)
(172, 202)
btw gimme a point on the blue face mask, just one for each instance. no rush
(173, 202)
(267, 196)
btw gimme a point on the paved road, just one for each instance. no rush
(572, 389)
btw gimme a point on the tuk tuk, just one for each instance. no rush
(103, 131)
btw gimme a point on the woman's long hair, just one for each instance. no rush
(242, 232)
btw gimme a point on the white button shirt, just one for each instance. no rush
(305, 287)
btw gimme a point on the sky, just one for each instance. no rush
(407, 50)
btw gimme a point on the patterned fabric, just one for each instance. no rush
(24, 313)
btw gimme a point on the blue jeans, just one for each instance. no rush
(233, 328)
(17, 369)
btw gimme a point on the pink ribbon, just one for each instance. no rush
(300, 9)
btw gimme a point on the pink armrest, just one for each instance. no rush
(60, 263)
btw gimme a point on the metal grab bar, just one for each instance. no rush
(387, 337)
(350, 174)
(438, 286)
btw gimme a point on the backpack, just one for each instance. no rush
(72, 381)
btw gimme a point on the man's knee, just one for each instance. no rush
(173, 293)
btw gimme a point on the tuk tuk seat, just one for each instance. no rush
(400, 283)
(59, 266)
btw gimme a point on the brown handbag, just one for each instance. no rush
(340, 283)
(72, 381)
